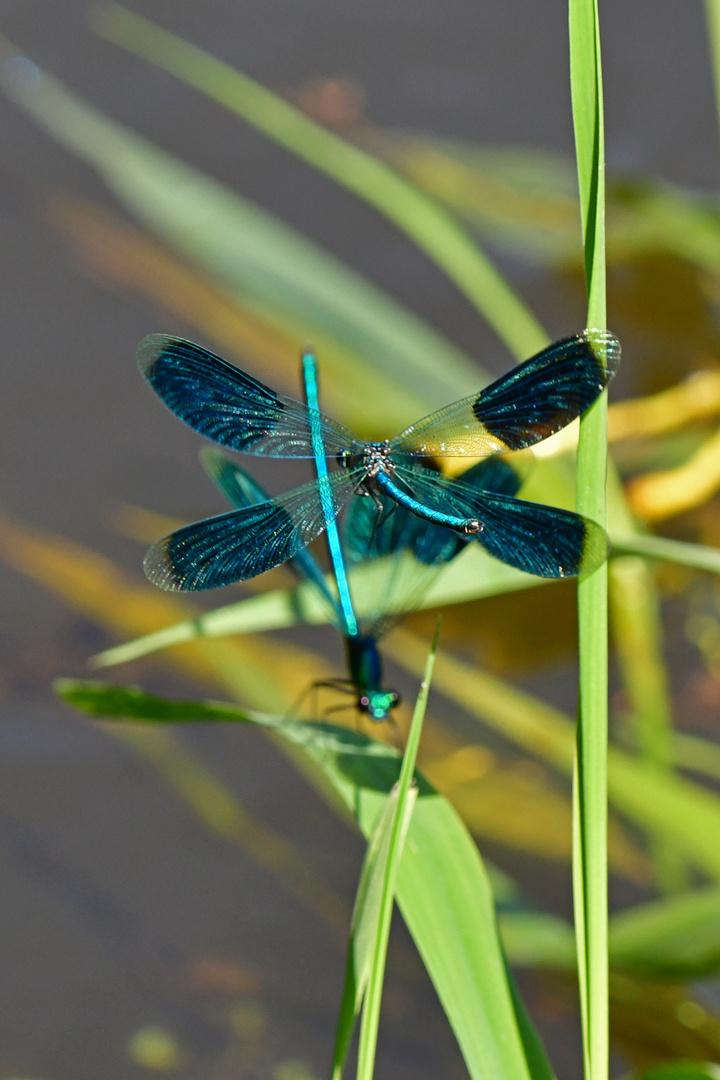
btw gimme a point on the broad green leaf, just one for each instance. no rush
(442, 889)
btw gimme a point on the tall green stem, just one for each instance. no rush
(590, 787)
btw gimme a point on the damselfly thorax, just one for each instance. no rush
(378, 471)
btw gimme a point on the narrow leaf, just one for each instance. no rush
(421, 218)
(590, 779)
(397, 828)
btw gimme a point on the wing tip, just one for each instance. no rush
(160, 569)
(150, 350)
(595, 548)
(605, 347)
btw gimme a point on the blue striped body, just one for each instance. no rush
(385, 484)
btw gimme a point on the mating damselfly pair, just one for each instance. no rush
(398, 500)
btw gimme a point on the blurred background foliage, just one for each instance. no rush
(499, 737)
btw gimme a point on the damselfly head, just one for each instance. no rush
(379, 703)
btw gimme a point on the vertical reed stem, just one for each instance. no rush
(590, 780)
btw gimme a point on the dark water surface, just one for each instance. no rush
(112, 892)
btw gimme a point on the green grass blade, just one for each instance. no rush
(696, 556)
(473, 576)
(443, 890)
(131, 703)
(363, 929)
(434, 230)
(590, 786)
(269, 265)
(397, 828)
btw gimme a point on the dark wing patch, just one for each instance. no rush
(229, 407)
(541, 540)
(246, 542)
(243, 490)
(522, 408)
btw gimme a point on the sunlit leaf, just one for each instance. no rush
(442, 887)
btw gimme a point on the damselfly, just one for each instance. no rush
(520, 409)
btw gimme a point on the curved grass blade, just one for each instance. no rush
(470, 576)
(475, 577)
(271, 266)
(442, 887)
(420, 217)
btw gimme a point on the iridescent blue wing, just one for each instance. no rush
(242, 490)
(246, 542)
(371, 535)
(229, 407)
(522, 408)
(541, 540)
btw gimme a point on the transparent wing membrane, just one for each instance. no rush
(246, 542)
(530, 403)
(243, 490)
